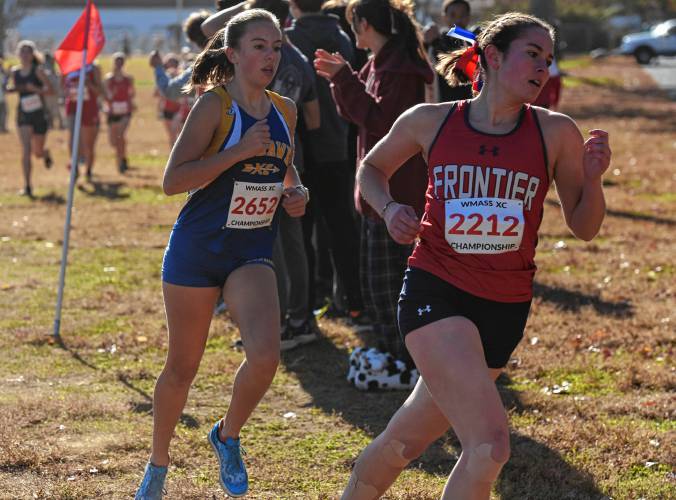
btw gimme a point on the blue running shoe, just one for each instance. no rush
(152, 486)
(232, 473)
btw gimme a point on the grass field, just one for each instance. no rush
(590, 391)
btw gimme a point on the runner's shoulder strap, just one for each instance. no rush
(227, 119)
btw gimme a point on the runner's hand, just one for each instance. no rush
(255, 141)
(430, 33)
(328, 65)
(597, 154)
(155, 59)
(293, 201)
(402, 223)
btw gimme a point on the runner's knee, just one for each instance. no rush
(412, 447)
(263, 361)
(180, 372)
(485, 460)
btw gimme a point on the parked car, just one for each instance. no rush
(644, 46)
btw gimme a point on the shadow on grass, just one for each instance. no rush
(641, 217)
(145, 406)
(51, 198)
(570, 301)
(534, 471)
(109, 190)
(624, 214)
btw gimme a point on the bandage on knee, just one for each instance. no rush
(393, 454)
(481, 465)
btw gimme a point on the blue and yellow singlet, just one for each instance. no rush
(232, 220)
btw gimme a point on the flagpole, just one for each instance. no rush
(73, 175)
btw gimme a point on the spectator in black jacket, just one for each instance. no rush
(327, 171)
(456, 13)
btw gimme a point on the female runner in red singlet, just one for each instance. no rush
(467, 291)
(120, 105)
(89, 129)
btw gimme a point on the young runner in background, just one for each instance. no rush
(119, 107)
(89, 129)
(31, 83)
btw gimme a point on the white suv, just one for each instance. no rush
(659, 41)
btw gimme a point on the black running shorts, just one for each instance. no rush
(117, 118)
(37, 120)
(425, 298)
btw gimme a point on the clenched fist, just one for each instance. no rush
(255, 140)
(294, 200)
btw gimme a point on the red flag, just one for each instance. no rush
(69, 53)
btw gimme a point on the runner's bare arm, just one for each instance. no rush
(578, 171)
(403, 141)
(218, 20)
(98, 85)
(47, 87)
(186, 168)
(292, 178)
(412, 133)
(295, 197)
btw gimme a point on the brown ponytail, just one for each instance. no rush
(212, 66)
(500, 32)
(446, 67)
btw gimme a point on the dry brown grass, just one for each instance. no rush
(75, 421)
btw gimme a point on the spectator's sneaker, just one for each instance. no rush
(360, 321)
(152, 486)
(48, 159)
(306, 332)
(329, 311)
(123, 166)
(288, 341)
(232, 473)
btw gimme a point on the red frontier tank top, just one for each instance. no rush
(484, 205)
(120, 90)
(90, 103)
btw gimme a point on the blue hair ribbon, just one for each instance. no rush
(462, 34)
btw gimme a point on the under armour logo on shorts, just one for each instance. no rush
(427, 308)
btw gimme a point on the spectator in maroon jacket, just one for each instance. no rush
(392, 81)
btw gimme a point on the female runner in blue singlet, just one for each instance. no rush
(234, 158)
